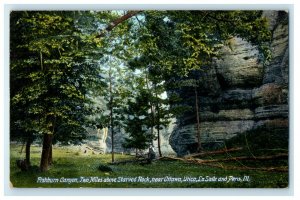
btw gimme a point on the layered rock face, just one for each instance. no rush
(99, 140)
(238, 92)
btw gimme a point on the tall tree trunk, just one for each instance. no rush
(47, 143)
(198, 121)
(158, 133)
(158, 124)
(151, 107)
(112, 137)
(111, 116)
(158, 143)
(27, 150)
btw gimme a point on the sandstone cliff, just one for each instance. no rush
(238, 92)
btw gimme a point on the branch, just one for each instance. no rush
(213, 152)
(278, 156)
(269, 169)
(219, 165)
(115, 23)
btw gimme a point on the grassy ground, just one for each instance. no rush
(73, 168)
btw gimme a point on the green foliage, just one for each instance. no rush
(57, 65)
(176, 42)
(137, 121)
(54, 58)
(51, 74)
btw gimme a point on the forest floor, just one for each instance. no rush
(73, 168)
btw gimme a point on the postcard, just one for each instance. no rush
(149, 98)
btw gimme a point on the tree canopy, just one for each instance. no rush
(58, 59)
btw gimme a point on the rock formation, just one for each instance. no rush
(238, 92)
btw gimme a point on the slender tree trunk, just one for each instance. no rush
(112, 137)
(41, 60)
(47, 143)
(27, 150)
(158, 125)
(158, 143)
(198, 121)
(151, 106)
(111, 116)
(158, 134)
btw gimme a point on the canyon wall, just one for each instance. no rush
(238, 92)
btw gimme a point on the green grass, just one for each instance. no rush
(71, 163)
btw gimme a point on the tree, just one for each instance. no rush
(159, 109)
(118, 48)
(159, 112)
(113, 71)
(52, 62)
(136, 123)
